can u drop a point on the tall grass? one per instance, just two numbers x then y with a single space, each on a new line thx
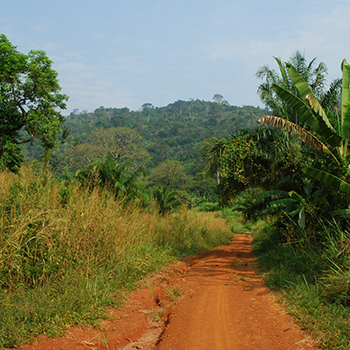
67 252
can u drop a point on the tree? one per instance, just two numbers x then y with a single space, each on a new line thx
171 173
220 100
259 158
12 158
166 199
313 76
312 114
212 150
147 106
30 98
118 143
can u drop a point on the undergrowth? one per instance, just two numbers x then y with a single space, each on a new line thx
67 252
311 277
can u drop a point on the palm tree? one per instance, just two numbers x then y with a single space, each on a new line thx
313 76
123 180
166 199
212 150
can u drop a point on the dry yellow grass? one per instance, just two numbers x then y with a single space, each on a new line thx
49 229
66 251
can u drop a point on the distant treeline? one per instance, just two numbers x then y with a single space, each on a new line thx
173 132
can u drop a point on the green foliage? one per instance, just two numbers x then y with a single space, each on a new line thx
30 99
311 113
122 180
312 277
171 174
166 199
119 143
313 76
174 132
314 116
151 137
329 179
310 109
261 157
304 251
302 208
329 140
208 206
212 151
12 158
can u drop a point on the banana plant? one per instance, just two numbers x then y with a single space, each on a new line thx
332 181
327 178
312 114
293 203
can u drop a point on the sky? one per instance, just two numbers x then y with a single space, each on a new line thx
115 53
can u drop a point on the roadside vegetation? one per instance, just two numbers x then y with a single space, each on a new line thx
312 280
67 252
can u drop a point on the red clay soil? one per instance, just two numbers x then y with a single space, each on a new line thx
211 301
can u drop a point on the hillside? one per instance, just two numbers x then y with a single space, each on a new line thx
173 132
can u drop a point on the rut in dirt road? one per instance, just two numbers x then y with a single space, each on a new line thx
228 307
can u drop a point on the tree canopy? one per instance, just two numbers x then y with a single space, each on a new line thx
30 99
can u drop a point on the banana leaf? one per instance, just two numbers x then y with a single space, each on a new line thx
282 70
301 220
307 94
305 113
295 129
327 178
292 207
345 100
327 132
284 202
296 196
294 212
272 193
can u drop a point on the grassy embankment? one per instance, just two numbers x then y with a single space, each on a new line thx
67 253
312 279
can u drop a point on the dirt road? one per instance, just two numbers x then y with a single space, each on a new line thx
213 301
230 308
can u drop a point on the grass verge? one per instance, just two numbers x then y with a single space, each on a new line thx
67 253
311 280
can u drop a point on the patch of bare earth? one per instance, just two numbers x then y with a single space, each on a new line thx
211 301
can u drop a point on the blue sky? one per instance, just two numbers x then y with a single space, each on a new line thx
116 53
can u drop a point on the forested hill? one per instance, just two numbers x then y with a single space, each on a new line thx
173 132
